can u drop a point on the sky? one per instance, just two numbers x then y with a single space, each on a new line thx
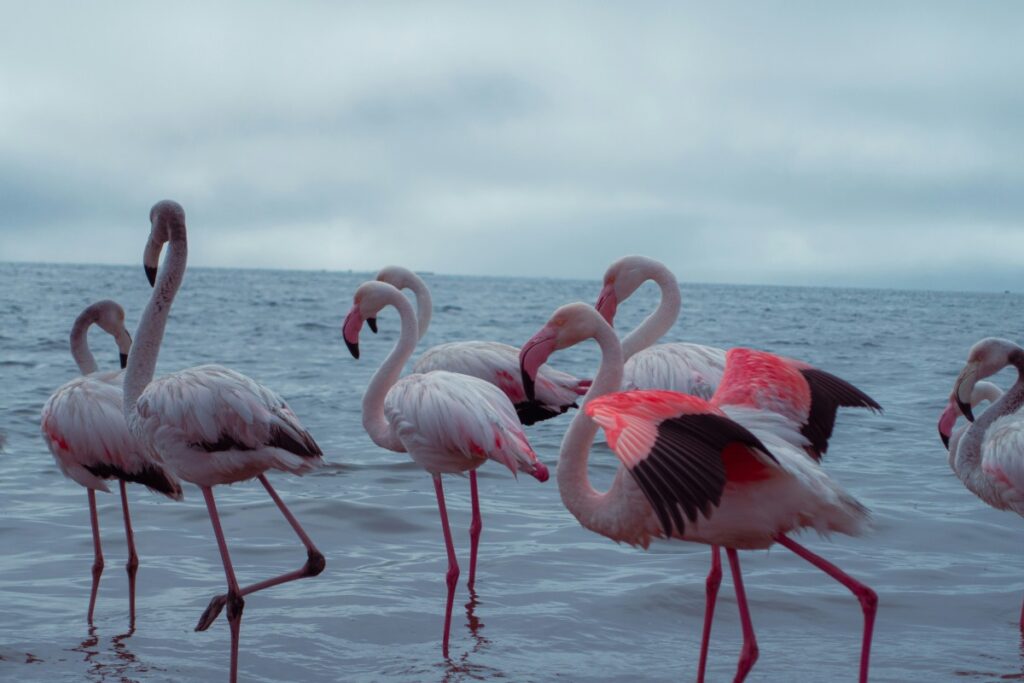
801 143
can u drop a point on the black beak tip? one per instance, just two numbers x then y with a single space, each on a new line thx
151 275
124 360
945 439
372 324
353 348
528 386
966 410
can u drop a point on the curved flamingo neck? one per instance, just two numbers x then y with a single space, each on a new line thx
150 333
581 499
374 420
424 302
655 325
80 341
968 450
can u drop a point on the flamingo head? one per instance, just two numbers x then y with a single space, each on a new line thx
396 276
620 281
986 358
367 302
110 318
982 391
569 325
167 222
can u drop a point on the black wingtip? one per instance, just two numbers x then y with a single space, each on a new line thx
353 348
124 360
372 324
151 275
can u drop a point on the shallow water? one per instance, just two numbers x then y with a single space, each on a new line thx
554 602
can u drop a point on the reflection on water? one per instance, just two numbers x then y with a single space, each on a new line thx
111 661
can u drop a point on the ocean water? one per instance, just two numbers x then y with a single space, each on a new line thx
554 602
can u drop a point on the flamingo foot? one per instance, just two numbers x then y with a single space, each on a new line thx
212 611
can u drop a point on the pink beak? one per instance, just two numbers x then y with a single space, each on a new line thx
607 304
532 356
350 330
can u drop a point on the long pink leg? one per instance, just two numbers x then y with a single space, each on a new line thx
474 528
133 557
748 655
97 563
453 566
714 580
315 563
867 597
235 602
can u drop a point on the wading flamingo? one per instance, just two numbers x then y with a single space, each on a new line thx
445 421
211 425
729 465
989 455
83 426
677 366
697 370
494 362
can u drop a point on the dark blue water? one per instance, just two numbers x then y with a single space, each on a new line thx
554 602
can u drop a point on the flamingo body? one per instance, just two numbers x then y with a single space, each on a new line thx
676 366
217 426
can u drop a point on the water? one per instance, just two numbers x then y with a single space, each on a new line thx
555 602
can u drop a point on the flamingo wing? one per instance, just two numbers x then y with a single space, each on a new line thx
687 368
83 426
450 415
497 363
807 396
1002 460
213 409
680 450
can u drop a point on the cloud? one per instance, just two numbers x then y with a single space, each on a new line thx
781 143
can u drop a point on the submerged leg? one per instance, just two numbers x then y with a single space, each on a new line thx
453 566
133 558
748 655
235 602
97 562
474 528
714 580
315 563
867 597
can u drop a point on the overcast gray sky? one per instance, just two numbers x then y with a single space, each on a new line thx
771 142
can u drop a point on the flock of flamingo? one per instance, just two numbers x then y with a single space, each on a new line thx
715 447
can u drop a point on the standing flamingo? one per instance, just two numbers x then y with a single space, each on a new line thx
678 366
445 421
494 362
84 428
729 465
989 456
210 424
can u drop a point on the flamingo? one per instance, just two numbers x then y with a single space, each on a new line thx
447 422
988 456
494 362
84 428
729 465
210 424
678 366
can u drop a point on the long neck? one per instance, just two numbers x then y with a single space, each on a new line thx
387 374
968 451
80 343
661 320
579 496
150 333
424 304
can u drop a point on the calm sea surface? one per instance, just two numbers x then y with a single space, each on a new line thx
554 602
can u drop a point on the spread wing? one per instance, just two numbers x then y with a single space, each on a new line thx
680 450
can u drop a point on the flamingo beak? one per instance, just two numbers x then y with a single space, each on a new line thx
533 355
151 275
124 344
540 472
372 324
947 420
151 259
963 387
350 331
607 304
